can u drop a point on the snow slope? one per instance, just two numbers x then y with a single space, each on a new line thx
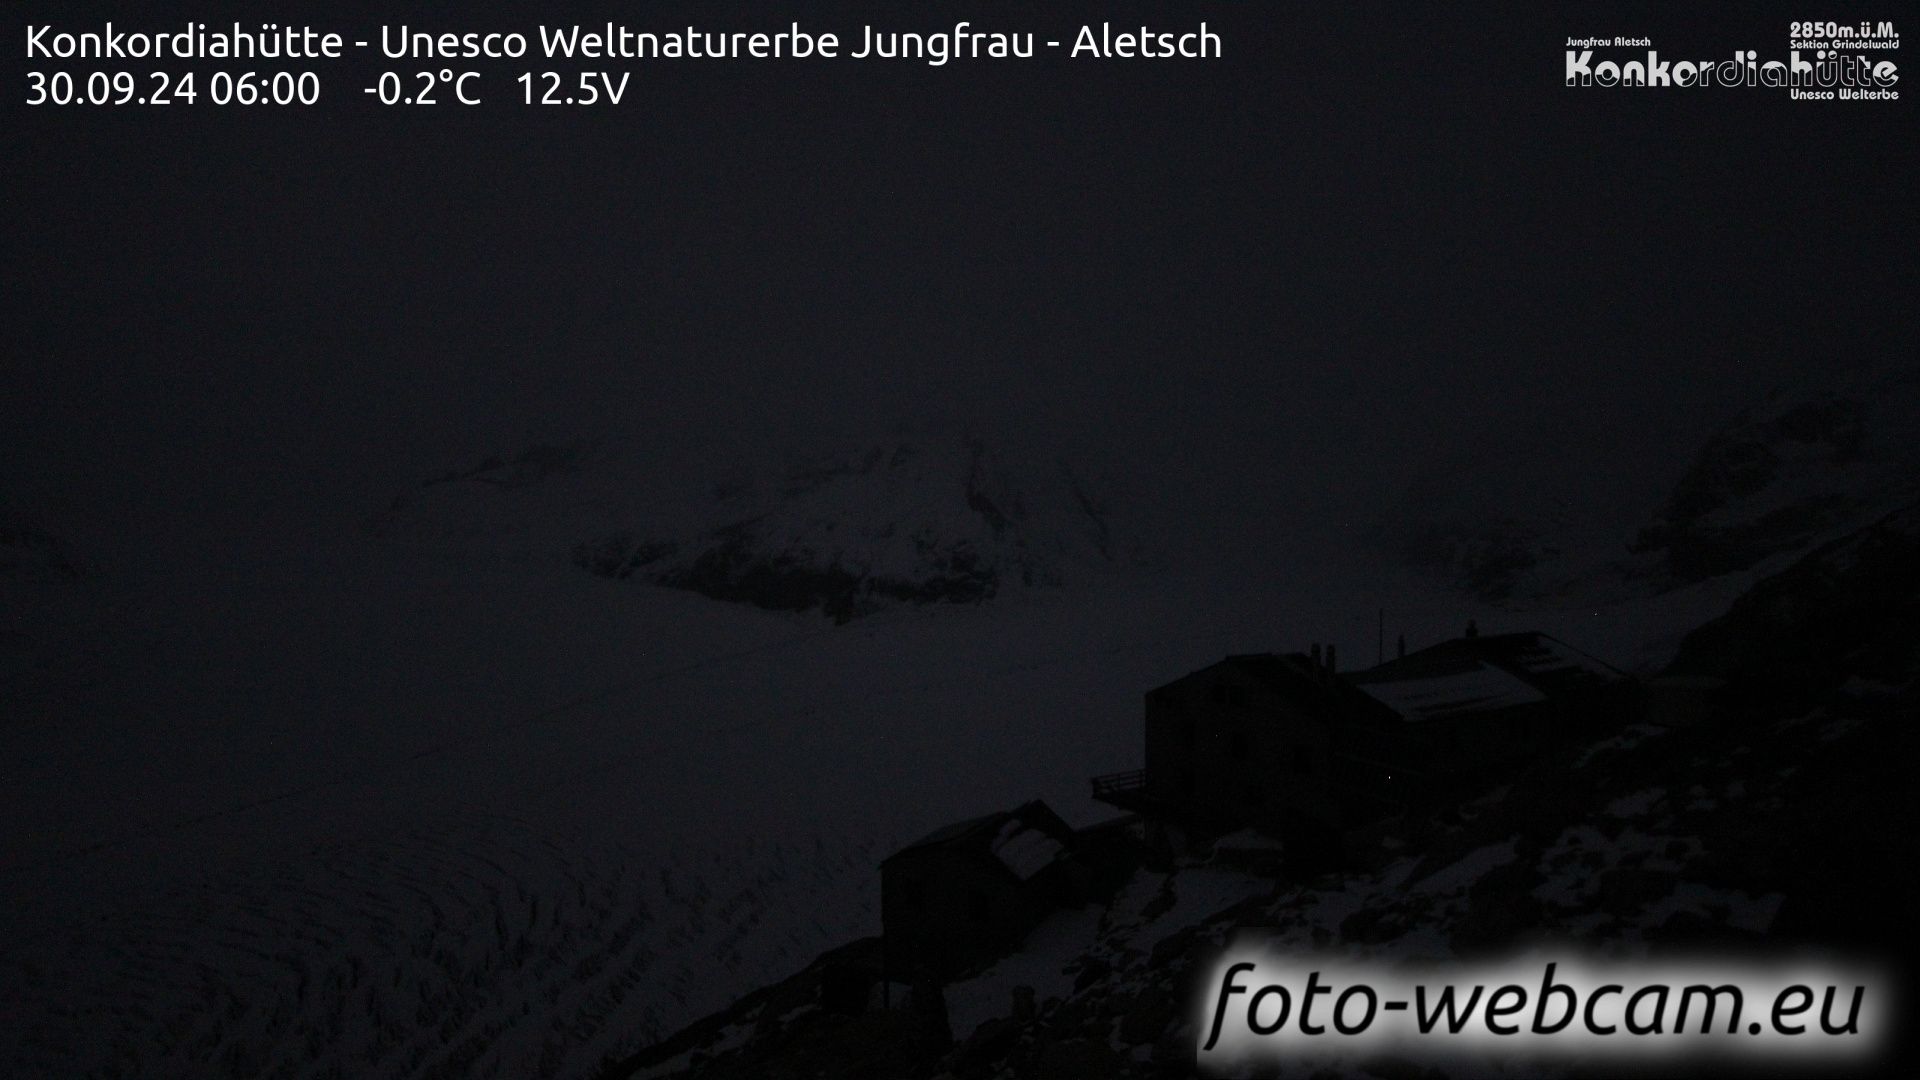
297 800
847 532
1739 836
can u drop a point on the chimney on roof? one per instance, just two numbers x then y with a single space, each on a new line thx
1331 666
1403 647
1473 629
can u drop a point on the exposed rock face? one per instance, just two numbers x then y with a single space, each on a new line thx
1757 831
1774 482
1511 516
899 523
1745 836
895 524
1845 620
1494 561
531 466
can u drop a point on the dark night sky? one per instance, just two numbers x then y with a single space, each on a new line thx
1259 297
1363 234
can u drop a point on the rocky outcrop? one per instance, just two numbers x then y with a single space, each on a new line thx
1761 827
901 523
1774 481
896 524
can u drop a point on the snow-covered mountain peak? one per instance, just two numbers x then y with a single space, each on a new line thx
1806 464
1784 475
914 521
899 522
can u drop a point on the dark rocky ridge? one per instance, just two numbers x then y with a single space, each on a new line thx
902 523
1774 482
835 539
1704 531
1765 825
